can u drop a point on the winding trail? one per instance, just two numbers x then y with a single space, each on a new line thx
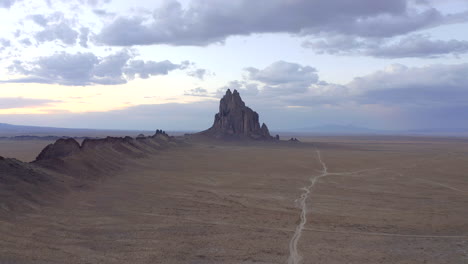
294 256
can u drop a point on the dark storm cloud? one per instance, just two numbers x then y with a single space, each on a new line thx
208 21
88 69
415 45
20 102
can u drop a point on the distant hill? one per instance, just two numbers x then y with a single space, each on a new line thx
440 131
8 130
355 130
341 129
16 129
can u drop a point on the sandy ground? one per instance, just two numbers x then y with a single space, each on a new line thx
382 201
24 150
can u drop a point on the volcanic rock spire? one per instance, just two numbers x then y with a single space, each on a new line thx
236 120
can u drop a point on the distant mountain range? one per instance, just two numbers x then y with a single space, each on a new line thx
8 130
355 130
339 129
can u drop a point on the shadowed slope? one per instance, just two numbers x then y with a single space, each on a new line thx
25 186
65 164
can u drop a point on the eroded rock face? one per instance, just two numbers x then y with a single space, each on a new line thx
61 148
235 119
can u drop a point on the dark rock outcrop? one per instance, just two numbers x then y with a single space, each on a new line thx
61 148
293 140
236 120
160 132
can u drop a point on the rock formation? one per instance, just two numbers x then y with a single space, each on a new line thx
236 120
61 148
160 132
66 164
65 147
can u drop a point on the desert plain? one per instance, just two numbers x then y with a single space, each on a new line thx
363 199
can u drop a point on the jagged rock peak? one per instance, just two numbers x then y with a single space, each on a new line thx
61 148
235 119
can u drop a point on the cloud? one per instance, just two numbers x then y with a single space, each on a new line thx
25 42
94 2
397 97
282 72
397 85
4 43
55 27
61 31
408 94
198 73
416 45
84 33
420 46
7 3
103 13
39 19
209 21
88 69
146 69
174 116
197 92
20 102
431 86
281 77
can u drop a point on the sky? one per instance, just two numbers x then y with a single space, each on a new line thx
142 65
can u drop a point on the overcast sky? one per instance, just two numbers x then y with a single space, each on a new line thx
395 65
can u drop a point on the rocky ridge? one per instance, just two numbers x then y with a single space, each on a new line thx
67 164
